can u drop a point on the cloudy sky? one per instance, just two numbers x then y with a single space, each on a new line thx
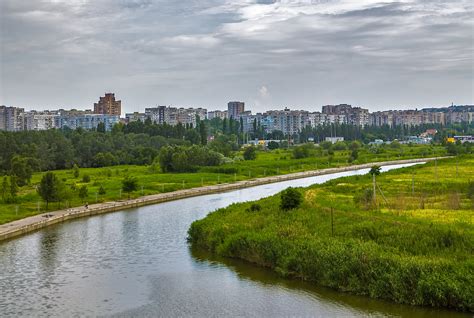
269 53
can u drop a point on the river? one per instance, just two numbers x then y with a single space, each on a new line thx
137 263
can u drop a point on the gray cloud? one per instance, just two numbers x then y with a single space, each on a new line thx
66 53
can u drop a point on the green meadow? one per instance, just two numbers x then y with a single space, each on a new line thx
413 244
152 181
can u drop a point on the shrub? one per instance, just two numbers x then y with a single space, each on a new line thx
250 153
290 199
86 178
83 193
255 207
273 145
101 190
303 151
76 171
364 198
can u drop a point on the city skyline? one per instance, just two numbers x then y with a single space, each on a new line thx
295 53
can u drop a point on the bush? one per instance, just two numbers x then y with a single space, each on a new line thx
86 178
290 199
250 153
255 207
273 145
364 198
187 159
303 151
101 190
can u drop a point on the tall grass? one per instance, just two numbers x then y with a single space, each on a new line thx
400 252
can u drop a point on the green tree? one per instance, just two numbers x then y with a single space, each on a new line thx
354 155
13 188
129 184
20 167
375 170
291 198
49 188
101 190
83 193
273 145
86 178
250 153
203 132
4 189
101 127
75 169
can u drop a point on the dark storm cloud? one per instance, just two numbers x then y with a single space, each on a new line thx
268 53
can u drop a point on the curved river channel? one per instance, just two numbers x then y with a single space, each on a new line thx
137 263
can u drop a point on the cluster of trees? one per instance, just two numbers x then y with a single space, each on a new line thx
459 149
309 149
9 189
59 149
53 189
187 159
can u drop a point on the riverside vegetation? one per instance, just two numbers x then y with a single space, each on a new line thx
180 167
413 244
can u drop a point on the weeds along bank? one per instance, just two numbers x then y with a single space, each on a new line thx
413 244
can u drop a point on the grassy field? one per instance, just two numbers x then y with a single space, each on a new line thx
267 163
414 246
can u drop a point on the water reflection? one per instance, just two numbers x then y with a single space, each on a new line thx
137 263
266 277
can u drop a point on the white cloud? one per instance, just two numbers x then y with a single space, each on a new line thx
310 52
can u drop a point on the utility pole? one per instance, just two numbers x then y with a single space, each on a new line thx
375 192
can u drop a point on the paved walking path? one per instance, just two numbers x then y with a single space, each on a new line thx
39 221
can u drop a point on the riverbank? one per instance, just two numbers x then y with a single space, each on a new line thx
33 223
413 247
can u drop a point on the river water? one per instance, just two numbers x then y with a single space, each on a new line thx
137 263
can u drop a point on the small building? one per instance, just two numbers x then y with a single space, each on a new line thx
464 139
334 139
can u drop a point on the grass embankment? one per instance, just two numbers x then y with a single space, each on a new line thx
414 248
267 163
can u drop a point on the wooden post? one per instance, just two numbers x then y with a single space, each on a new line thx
436 169
413 184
